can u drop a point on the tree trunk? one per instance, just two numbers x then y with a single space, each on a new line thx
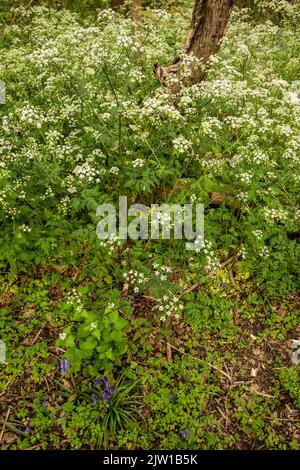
203 39
136 7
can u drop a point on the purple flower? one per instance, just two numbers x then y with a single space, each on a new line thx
105 382
28 427
94 397
101 381
64 365
108 390
171 396
96 383
46 403
185 433
224 284
107 393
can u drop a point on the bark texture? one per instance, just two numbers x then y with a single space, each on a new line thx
136 8
203 39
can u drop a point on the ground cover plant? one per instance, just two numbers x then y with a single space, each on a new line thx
142 344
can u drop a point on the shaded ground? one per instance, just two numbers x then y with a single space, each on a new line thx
257 395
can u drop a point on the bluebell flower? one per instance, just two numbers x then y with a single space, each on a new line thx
185 433
107 393
104 381
94 397
64 365
28 427
97 382
171 396
224 284
108 389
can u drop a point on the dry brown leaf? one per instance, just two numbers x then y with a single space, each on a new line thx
8 439
169 353
29 312
66 383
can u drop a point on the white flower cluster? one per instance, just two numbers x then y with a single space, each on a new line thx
285 130
275 215
297 215
161 271
260 157
162 218
198 243
169 306
291 155
111 243
124 39
114 170
264 252
181 144
97 153
243 52
158 108
106 15
212 262
242 252
217 88
237 160
86 172
215 165
242 196
292 98
270 175
45 54
240 122
189 63
210 126
64 205
24 228
136 75
70 183
32 116
134 280
74 299
258 234
246 177
163 14
138 163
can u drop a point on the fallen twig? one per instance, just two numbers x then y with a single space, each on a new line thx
198 359
4 424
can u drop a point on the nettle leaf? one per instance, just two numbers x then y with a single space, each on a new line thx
69 341
83 331
117 321
88 344
97 334
109 354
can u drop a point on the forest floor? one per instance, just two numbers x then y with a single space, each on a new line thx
143 344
